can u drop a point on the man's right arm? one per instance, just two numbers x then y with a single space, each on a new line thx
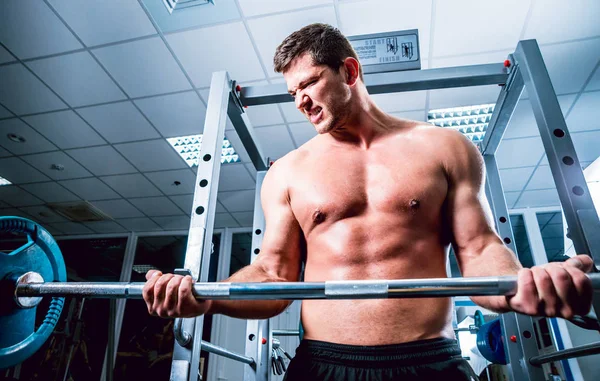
170 295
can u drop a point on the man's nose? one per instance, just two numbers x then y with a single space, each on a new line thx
301 101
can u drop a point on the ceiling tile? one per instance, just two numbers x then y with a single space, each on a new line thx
156 206
184 201
235 177
264 115
535 198
165 181
18 197
31 29
561 21
118 208
138 224
14 212
511 197
173 222
77 78
44 161
105 227
395 102
34 142
558 62
252 8
586 113
302 132
523 124
119 122
71 227
50 192
42 214
275 141
219 12
587 145
418 115
519 153
163 156
5 56
453 22
104 22
244 218
134 185
65 129
4 153
515 179
225 220
239 201
144 67
463 96
4 205
175 115
90 189
270 31
23 93
472 59
291 113
378 16
17 171
594 83
541 179
4 113
202 52
101 161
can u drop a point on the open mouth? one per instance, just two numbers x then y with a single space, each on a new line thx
315 114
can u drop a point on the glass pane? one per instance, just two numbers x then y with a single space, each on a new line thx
551 227
77 346
521 240
146 343
241 246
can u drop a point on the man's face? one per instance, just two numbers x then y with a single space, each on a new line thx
319 92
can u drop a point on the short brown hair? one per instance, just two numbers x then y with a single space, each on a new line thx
326 45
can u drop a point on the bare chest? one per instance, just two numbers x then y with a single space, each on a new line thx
331 188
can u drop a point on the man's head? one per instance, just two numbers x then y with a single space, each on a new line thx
320 67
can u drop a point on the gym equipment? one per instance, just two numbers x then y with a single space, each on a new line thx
489 342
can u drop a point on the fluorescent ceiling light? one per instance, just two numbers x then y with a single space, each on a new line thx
143 269
471 121
188 147
3 181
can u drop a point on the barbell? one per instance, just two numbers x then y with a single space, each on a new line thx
24 271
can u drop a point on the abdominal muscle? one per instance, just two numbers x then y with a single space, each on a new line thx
353 250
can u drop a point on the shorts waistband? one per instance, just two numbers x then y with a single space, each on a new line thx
404 354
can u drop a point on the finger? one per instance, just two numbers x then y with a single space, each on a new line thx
186 296
583 289
549 303
148 290
159 293
171 295
565 290
152 273
526 299
582 262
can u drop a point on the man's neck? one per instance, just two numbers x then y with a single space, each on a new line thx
365 124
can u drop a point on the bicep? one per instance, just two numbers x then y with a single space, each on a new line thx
282 245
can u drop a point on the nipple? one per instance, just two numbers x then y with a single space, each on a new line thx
318 216
414 204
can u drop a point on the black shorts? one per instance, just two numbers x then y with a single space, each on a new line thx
434 359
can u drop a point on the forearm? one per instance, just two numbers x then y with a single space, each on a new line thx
495 259
250 309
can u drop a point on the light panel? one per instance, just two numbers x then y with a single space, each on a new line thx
471 121
188 147
3 181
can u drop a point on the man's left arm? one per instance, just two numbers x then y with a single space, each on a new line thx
557 289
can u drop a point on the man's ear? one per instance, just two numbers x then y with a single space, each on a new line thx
352 70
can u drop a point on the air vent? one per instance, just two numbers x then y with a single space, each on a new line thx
80 211
177 5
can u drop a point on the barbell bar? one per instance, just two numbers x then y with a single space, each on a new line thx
29 286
